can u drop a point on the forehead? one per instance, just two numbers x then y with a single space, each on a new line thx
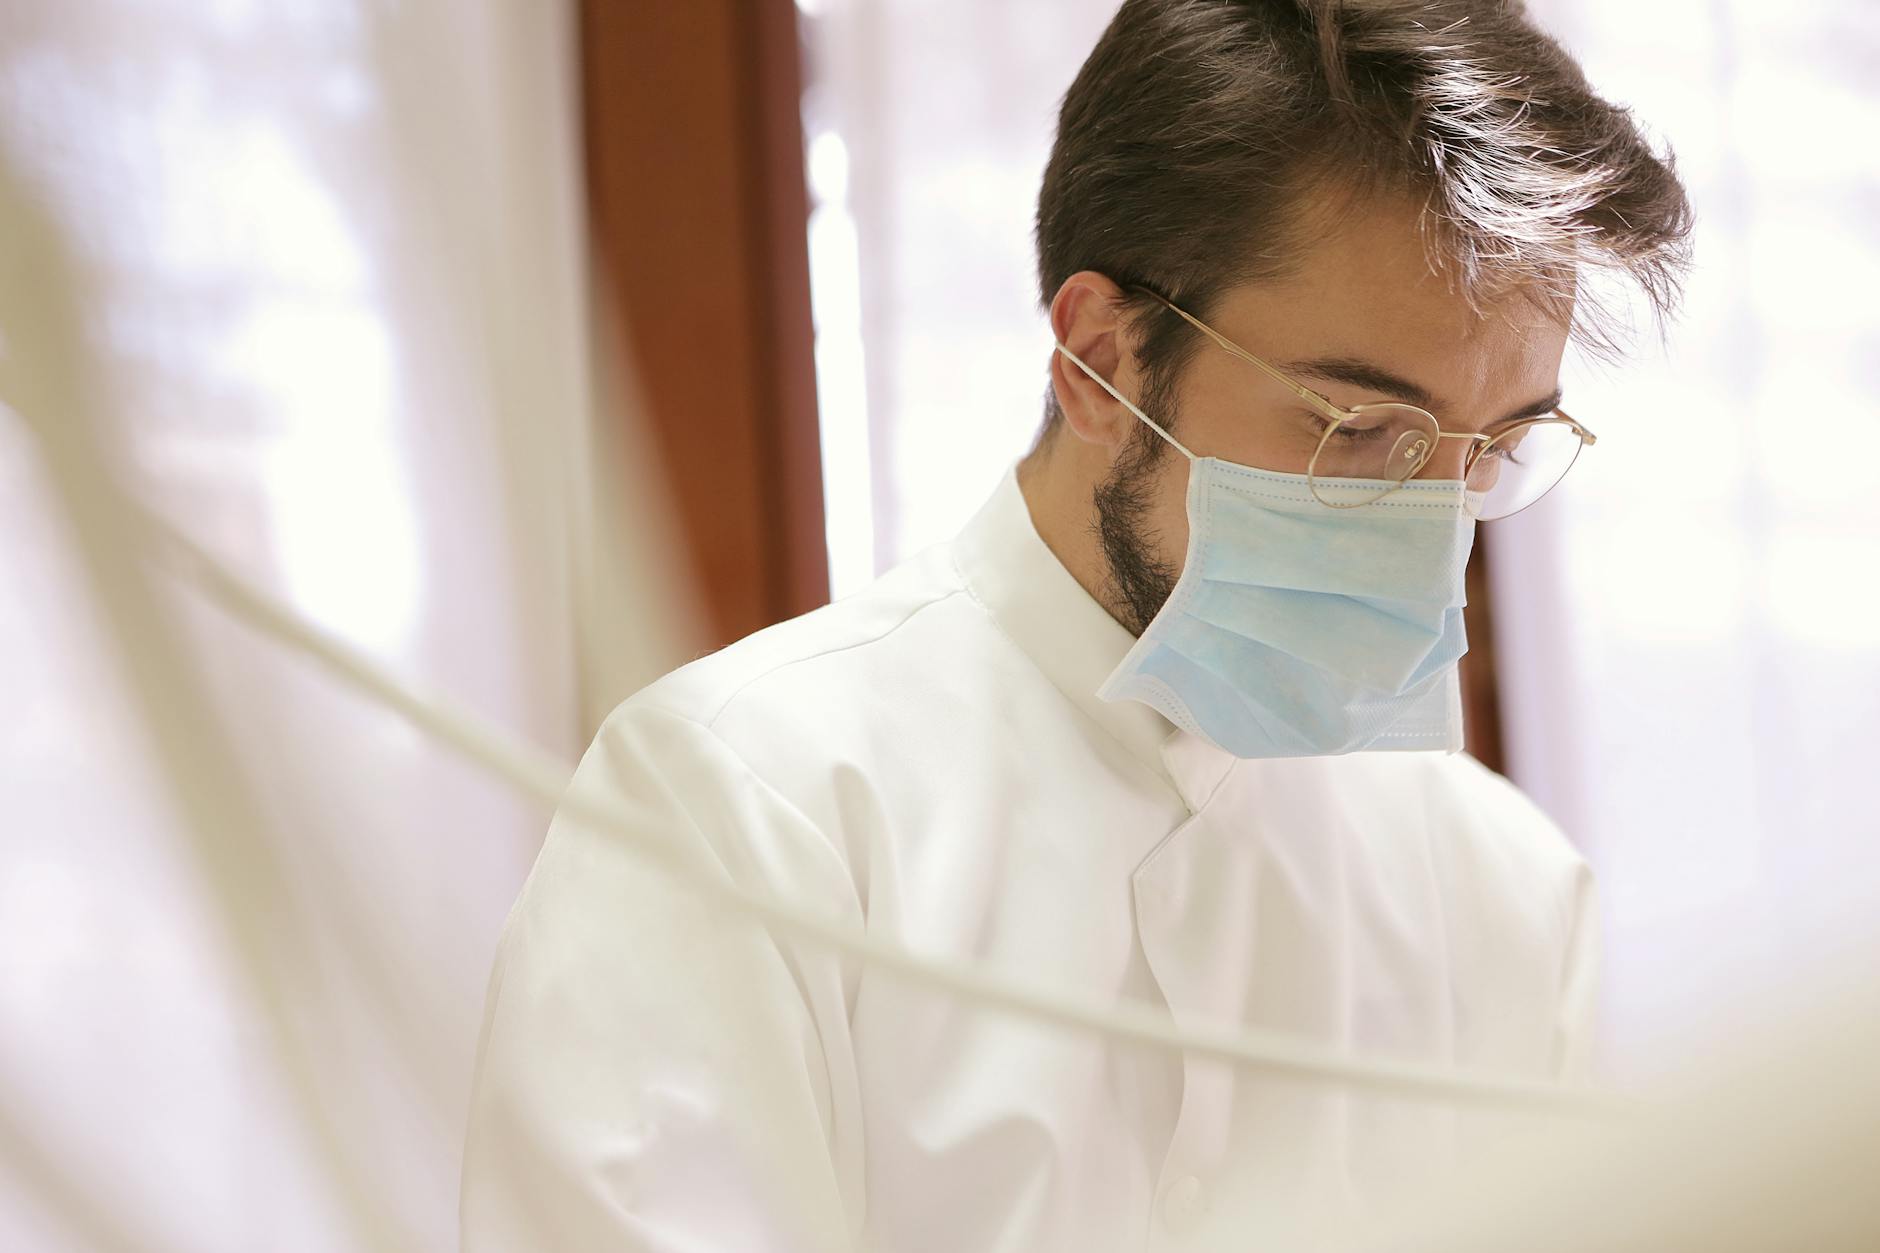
1361 285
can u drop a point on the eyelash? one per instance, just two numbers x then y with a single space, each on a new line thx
1347 433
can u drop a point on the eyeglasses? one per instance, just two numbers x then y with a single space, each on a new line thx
1368 451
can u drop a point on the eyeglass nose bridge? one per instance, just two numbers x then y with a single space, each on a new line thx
1414 450
1477 442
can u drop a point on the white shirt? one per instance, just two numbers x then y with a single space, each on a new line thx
927 759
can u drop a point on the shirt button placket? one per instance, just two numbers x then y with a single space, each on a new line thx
1182 1205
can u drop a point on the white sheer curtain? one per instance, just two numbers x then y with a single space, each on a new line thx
326 265
1691 631
1693 627
928 127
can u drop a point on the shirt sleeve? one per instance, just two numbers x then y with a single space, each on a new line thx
1577 1022
654 1072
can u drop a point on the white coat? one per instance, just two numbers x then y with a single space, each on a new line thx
927 759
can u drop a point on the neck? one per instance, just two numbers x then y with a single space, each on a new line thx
1058 494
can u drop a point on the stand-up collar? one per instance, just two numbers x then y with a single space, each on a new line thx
1071 638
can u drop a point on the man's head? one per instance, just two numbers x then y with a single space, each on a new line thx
1418 187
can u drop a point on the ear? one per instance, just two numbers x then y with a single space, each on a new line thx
1086 317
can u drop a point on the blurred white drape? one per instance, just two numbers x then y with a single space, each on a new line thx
327 257
1691 630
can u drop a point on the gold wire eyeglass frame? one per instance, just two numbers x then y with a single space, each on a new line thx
1338 416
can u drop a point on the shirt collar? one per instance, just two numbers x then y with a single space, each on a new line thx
1072 639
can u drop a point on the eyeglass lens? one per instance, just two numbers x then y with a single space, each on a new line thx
1386 445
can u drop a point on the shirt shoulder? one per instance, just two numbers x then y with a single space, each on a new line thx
706 688
1493 848
849 715
1460 784
1492 837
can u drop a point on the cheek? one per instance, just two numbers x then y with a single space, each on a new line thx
1234 416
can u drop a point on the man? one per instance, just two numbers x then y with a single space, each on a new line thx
1172 720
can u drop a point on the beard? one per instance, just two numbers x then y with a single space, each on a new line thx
1138 582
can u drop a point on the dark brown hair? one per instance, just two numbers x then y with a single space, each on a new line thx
1200 137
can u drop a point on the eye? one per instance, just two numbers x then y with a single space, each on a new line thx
1352 432
1506 452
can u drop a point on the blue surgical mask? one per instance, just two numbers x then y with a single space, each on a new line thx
1298 629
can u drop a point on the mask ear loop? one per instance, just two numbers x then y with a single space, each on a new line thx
1124 401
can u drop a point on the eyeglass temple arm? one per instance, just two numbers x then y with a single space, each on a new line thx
1304 393
1311 397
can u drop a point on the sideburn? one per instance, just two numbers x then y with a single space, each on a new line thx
1138 583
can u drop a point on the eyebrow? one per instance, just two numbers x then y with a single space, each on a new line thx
1376 378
